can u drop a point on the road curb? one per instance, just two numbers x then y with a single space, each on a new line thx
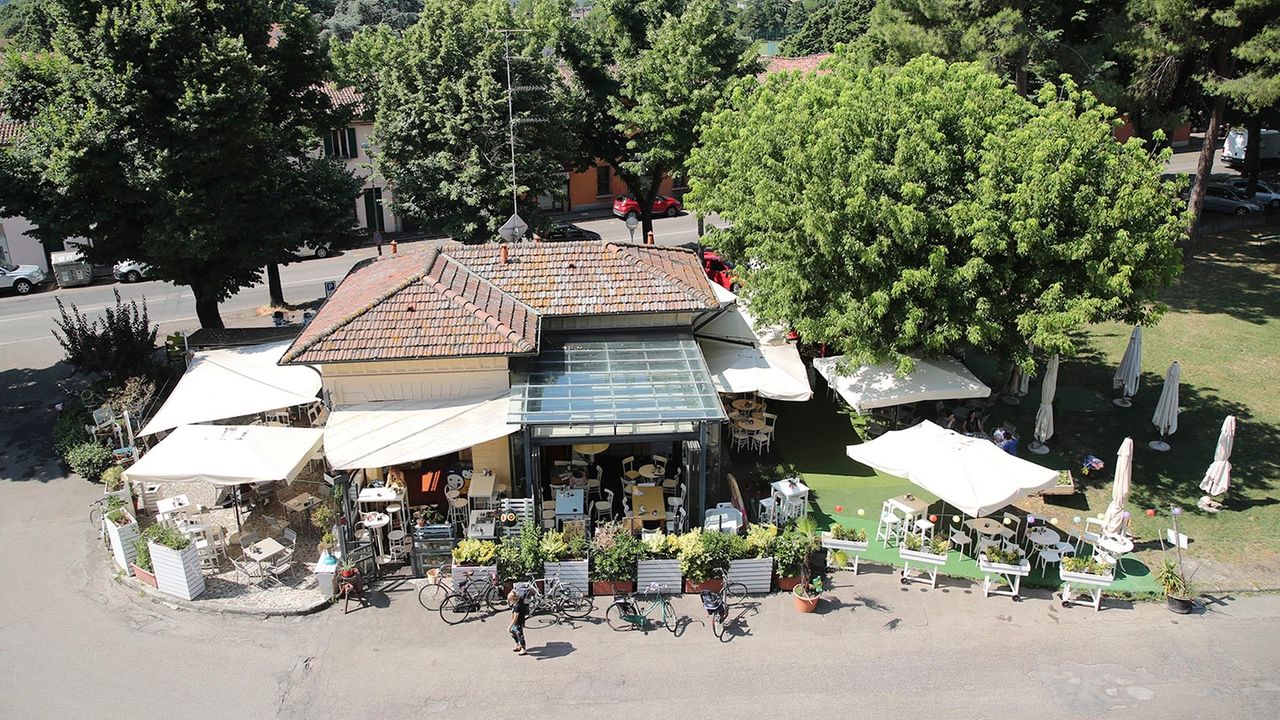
128 582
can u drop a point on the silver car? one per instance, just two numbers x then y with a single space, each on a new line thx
1266 195
1225 199
21 278
130 271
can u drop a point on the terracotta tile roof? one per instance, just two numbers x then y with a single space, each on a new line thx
807 63
347 97
415 305
456 301
8 129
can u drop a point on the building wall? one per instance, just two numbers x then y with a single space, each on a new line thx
365 166
584 191
349 383
17 246
1180 137
496 456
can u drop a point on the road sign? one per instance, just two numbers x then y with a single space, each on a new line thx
330 286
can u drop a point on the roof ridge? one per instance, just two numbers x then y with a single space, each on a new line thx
333 327
515 336
626 250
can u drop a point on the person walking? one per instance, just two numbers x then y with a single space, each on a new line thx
519 612
377 240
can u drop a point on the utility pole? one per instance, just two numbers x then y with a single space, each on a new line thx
516 227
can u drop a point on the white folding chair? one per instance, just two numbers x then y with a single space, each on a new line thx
604 508
676 523
678 500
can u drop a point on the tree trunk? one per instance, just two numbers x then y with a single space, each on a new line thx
207 313
1253 156
273 285
1205 164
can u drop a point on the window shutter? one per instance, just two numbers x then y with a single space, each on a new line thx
328 146
352 147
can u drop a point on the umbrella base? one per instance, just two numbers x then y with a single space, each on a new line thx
1159 445
1123 402
1038 448
1010 399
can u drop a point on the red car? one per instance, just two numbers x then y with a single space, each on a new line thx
627 206
720 272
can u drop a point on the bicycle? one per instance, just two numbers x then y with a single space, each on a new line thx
624 614
439 586
458 605
717 604
97 515
558 597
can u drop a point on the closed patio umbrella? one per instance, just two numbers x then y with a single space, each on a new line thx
1166 415
1217 479
1044 416
1113 521
1126 379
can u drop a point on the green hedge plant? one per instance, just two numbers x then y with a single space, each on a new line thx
89 460
614 554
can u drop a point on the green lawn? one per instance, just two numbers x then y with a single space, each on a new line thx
1222 329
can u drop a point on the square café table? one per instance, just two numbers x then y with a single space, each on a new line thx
569 504
645 500
263 550
167 506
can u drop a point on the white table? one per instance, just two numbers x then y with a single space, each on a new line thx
790 489
1115 544
725 520
569 504
1044 537
167 506
482 525
481 485
379 494
375 521
262 551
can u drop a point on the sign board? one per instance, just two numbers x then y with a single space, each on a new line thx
330 286
1181 540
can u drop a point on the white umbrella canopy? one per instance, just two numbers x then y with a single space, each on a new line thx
1126 379
1166 414
1044 416
1217 479
1113 521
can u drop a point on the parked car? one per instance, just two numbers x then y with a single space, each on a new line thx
566 231
1225 199
130 271
322 250
1265 195
719 270
627 206
20 278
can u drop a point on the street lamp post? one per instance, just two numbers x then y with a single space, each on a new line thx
632 224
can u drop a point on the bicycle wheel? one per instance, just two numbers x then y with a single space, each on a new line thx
734 593
575 604
717 623
496 599
669 616
613 616
95 519
455 608
431 596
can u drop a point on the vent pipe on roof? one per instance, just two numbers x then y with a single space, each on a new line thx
504 254
648 240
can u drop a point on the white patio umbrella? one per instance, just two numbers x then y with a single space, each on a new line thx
1166 415
1217 479
1126 379
1044 416
1113 521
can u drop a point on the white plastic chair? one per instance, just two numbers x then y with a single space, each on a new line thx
678 500
890 525
604 508
676 523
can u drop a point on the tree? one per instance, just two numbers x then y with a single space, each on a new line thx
838 23
762 19
119 344
178 134
898 214
441 127
349 16
649 72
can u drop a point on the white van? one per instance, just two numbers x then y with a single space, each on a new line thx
1237 140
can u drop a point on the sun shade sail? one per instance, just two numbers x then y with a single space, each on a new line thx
971 474
877 386
228 454
743 357
235 382
380 434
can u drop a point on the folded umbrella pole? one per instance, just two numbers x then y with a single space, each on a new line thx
1126 378
1044 416
1166 414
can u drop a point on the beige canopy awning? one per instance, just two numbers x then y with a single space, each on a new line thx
380 434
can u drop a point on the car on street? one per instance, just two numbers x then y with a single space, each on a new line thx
719 270
627 206
323 250
566 231
1225 199
1265 195
130 271
22 279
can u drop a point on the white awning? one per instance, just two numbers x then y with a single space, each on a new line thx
379 434
878 386
235 382
971 474
228 454
744 357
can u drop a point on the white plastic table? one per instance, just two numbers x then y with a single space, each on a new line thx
1044 536
569 504
375 521
725 520
167 506
379 494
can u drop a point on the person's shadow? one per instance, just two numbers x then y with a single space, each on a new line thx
552 649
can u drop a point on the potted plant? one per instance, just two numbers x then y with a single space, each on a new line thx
175 561
1178 591
1084 571
752 560
142 563
933 554
113 485
565 554
789 553
349 574
123 530
614 555
660 563
323 517
704 556
846 540
1009 564
479 556
1066 485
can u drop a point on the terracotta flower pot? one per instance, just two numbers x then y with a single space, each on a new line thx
612 587
805 604
786 584
144 576
697 586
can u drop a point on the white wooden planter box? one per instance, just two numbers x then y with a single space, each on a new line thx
924 558
1093 586
124 494
572 573
755 573
177 571
848 547
122 547
481 571
662 572
1012 574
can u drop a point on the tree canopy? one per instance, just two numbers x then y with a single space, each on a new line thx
441 128
177 134
910 213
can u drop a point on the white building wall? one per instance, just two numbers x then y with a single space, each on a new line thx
18 246
365 167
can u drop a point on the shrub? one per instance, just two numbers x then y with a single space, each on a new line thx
1002 556
133 396
144 554
89 460
840 532
703 555
660 546
119 517
615 552
475 552
761 537
113 478
166 535
554 546
68 431
116 344
789 552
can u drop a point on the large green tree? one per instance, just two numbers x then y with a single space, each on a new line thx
441 126
649 72
838 22
898 214
178 134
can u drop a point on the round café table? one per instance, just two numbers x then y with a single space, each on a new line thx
1044 537
591 450
753 425
986 526
375 521
746 405
649 471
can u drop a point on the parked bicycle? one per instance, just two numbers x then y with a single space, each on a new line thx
625 614
471 594
717 604
97 510
556 596
439 585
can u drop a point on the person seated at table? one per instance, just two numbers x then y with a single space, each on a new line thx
1008 443
951 422
973 424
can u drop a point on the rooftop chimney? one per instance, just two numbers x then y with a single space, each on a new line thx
504 254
